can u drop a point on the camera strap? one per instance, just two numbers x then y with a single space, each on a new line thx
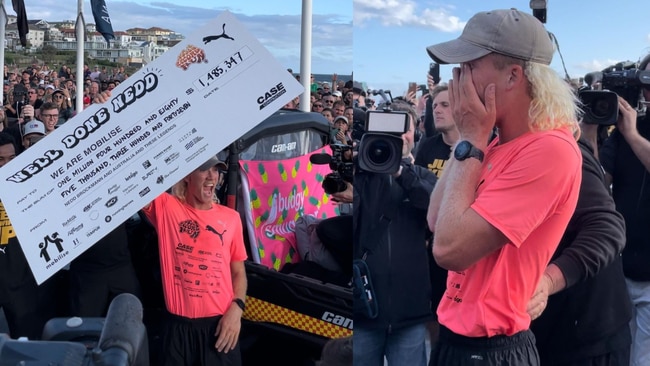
382 226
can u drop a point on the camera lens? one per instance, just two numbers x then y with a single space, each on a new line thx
601 108
333 183
379 152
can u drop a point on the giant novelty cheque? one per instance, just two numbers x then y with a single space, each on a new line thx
80 182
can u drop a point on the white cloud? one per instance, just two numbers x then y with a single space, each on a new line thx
404 13
331 38
595 65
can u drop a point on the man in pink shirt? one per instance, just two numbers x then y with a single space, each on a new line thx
202 257
499 210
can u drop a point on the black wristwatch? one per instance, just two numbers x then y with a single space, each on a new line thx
240 303
465 149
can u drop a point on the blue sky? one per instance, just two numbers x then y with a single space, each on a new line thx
384 41
275 23
390 36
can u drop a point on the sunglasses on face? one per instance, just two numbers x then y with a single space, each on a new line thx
318 105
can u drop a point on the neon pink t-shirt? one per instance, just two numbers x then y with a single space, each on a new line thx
196 249
528 190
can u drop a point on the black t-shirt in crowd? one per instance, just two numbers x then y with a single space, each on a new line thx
14 269
433 154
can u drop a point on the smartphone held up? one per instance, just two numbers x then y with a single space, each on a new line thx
434 71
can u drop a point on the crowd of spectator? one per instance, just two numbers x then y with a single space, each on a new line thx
37 84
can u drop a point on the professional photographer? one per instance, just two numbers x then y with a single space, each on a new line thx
389 238
335 233
625 156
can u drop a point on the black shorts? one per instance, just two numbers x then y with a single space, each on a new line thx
457 350
191 342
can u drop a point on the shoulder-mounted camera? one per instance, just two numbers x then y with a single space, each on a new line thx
623 79
380 149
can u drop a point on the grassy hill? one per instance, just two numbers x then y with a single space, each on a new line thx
54 59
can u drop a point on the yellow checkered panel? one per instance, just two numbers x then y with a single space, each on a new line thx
330 326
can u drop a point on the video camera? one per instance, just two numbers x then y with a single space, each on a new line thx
623 79
380 149
342 170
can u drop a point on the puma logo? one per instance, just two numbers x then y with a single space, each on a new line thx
2 249
211 229
223 34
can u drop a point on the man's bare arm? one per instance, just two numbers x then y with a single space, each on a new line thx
436 200
462 236
239 282
229 326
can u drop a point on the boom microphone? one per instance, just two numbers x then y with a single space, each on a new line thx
383 93
124 337
320 159
380 92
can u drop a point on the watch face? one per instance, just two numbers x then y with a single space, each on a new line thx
462 150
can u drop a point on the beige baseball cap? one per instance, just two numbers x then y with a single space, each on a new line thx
508 32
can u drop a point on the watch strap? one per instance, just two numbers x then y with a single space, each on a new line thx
470 152
240 303
477 153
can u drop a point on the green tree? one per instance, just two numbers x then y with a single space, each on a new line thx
48 52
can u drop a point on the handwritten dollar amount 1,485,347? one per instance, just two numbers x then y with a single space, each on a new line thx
223 67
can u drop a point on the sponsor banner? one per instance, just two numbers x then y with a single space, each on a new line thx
280 192
99 168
